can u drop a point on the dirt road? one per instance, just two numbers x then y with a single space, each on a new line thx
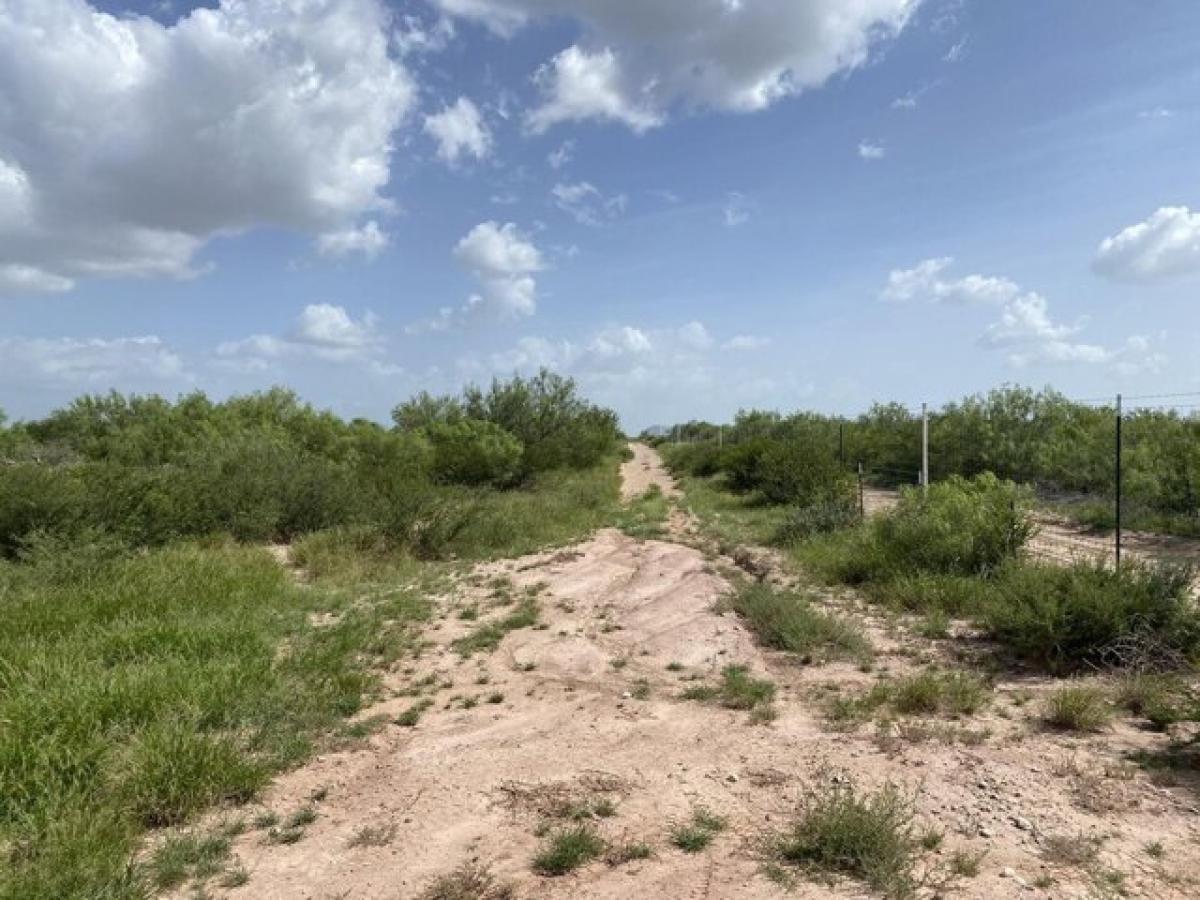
586 708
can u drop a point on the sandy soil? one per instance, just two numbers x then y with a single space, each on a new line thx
468 784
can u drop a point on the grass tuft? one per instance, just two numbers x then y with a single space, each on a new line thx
787 620
696 834
869 837
567 850
1077 708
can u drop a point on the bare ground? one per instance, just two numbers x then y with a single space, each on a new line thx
559 719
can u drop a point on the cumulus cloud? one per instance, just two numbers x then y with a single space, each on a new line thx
925 281
369 240
1025 328
125 144
322 331
638 60
586 204
578 85
504 261
1165 246
459 130
89 363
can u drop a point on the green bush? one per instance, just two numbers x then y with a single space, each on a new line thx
802 473
958 527
821 517
741 463
1068 617
474 452
35 497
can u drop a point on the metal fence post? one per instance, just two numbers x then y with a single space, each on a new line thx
862 503
925 447
1120 418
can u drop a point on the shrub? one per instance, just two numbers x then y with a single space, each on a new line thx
867 837
822 517
959 527
35 497
741 463
474 452
802 473
1066 617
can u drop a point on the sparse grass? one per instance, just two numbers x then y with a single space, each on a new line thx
675 667
787 620
568 849
698 832
966 863
189 855
1080 707
1155 850
469 882
731 519
487 637
930 692
868 837
737 690
1070 850
293 827
627 852
411 716
645 517
1161 699
373 835
641 689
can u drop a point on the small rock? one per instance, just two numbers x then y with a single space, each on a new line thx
1022 823
986 832
1007 872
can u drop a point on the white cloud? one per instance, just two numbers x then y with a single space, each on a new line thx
695 336
578 85
871 151
504 261
637 59
737 210
88 363
18 279
925 282
322 331
907 101
1025 327
1163 247
587 204
1158 112
561 156
459 130
746 342
957 52
369 240
134 143
413 36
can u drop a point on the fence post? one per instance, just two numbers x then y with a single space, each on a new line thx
862 503
925 447
1120 418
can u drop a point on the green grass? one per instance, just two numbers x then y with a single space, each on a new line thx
698 832
487 637
787 620
468 882
733 520
189 855
645 517
869 837
138 690
737 690
1077 708
567 850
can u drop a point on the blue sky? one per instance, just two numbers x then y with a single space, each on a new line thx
775 203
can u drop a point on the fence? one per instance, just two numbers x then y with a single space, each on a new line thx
1113 475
